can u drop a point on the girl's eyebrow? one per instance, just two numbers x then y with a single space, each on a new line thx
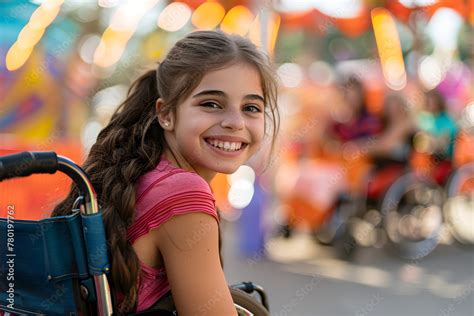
223 95
255 97
210 92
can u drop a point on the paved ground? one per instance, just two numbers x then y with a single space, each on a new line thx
303 278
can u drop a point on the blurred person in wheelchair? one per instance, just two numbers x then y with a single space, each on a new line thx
434 143
321 169
389 152
438 124
385 154
349 138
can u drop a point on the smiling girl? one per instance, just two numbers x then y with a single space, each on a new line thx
204 110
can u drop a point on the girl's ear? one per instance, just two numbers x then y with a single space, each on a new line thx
165 117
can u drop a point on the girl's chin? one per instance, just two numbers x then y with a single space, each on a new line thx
225 168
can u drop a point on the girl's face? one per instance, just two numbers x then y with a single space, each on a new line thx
221 124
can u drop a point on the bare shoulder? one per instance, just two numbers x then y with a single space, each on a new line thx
188 232
189 244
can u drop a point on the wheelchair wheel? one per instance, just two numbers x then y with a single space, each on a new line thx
345 245
459 207
412 216
334 228
249 303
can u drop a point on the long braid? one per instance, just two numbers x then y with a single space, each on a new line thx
127 148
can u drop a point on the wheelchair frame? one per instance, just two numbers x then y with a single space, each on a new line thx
28 163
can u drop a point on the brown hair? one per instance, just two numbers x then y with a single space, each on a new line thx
133 141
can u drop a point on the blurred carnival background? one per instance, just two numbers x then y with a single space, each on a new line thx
366 206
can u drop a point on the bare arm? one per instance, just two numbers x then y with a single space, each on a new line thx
189 246
388 141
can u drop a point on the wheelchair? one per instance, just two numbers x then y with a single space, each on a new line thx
399 208
59 265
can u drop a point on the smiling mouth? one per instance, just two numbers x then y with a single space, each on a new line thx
226 146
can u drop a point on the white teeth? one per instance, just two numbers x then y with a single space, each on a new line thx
226 146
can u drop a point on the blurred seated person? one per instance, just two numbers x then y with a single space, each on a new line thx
434 144
439 127
393 144
389 151
358 125
361 124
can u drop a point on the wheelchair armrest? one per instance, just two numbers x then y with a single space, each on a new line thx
249 288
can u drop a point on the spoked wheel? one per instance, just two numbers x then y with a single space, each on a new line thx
459 207
413 216
337 230
334 227
345 245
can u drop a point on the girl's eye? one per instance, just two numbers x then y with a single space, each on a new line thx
210 104
252 108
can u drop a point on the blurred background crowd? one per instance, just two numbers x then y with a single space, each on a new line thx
376 142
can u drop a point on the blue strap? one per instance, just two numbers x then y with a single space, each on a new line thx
96 243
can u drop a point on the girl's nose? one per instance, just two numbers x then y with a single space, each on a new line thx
233 120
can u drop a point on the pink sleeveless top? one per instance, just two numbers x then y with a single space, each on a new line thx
162 193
